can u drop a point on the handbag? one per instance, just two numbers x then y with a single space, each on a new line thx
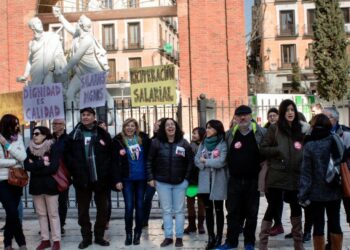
18 177
62 177
345 179
332 176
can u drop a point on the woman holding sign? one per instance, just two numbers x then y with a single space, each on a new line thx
130 149
168 169
212 179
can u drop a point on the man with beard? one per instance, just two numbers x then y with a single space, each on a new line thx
88 155
243 160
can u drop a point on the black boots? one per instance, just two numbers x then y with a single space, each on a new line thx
128 239
211 242
137 237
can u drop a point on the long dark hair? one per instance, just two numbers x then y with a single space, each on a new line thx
8 126
219 127
44 131
161 135
295 129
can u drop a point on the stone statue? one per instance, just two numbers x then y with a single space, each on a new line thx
46 58
88 56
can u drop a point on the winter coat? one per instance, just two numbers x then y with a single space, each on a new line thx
316 156
16 155
167 164
77 163
41 180
120 162
213 175
284 157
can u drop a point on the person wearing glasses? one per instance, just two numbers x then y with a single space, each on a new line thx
42 162
12 153
61 137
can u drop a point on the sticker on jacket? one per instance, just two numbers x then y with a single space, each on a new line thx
297 145
180 151
87 140
238 145
216 153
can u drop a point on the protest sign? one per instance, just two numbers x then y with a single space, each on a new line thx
153 85
12 103
43 102
93 90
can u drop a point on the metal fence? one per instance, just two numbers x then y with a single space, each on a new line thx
189 116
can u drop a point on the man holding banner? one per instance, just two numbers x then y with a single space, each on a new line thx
88 157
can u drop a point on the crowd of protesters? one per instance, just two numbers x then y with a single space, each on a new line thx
287 160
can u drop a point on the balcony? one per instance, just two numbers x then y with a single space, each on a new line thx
288 31
161 45
127 45
109 47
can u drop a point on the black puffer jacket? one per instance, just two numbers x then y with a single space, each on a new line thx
165 165
120 162
41 180
77 163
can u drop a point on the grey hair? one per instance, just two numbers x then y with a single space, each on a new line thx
333 111
31 22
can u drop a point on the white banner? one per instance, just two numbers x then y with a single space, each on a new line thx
43 102
93 90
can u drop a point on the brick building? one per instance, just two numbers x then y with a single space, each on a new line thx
211 45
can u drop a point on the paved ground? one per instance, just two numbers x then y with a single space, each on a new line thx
153 236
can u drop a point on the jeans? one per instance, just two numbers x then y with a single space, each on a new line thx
172 201
63 206
10 197
147 203
242 201
332 208
133 192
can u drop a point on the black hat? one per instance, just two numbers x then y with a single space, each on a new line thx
243 110
88 109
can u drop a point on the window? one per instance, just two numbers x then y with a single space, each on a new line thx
310 56
108 4
288 55
82 5
310 21
112 71
161 42
108 36
135 62
346 14
133 3
134 40
287 23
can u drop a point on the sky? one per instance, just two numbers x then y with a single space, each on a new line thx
248 15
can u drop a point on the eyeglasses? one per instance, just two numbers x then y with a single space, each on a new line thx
36 134
57 123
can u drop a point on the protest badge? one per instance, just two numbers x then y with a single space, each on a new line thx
93 90
154 85
43 102
12 103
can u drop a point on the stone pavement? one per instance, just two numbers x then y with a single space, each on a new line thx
153 236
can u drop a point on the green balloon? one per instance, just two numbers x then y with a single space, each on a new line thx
191 191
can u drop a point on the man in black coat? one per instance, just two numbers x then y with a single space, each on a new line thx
88 157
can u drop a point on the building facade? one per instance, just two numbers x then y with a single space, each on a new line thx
283 41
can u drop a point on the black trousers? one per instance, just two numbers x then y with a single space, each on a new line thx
84 196
242 202
332 209
276 197
63 206
279 209
209 213
9 198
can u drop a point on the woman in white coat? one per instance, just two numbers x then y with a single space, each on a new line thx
12 154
